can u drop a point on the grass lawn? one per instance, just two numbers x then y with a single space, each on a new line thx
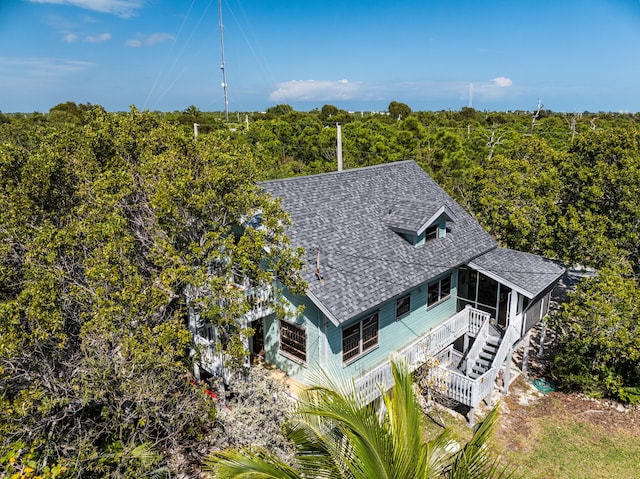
564 436
562 448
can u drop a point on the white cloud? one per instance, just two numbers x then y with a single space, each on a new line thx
148 40
315 90
156 38
70 38
502 82
122 8
34 67
102 37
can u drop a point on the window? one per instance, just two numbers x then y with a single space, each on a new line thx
403 307
293 341
359 337
432 232
438 291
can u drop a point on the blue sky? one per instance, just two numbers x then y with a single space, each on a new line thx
573 55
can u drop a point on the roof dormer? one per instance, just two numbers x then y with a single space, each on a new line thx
419 222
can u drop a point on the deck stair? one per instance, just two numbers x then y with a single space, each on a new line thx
479 357
483 361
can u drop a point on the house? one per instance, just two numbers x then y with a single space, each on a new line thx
397 269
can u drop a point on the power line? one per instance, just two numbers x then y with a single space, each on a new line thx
155 83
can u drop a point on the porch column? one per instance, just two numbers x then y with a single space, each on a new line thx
543 333
525 353
196 371
507 372
471 411
513 306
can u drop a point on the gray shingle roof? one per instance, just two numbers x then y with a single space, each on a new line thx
345 216
527 273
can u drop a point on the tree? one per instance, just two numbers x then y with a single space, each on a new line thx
335 437
446 161
398 111
515 195
106 234
599 336
279 110
601 198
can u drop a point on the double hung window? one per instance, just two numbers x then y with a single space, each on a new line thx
293 341
359 337
438 291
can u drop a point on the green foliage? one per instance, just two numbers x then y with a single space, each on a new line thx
279 110
108 231
398 111
112 223
601 198
18 462
599 336
516 195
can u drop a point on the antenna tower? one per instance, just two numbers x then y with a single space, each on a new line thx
224 74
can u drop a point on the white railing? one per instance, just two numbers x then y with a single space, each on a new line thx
210 359
476 319
379 379
471 391
374 382
449 357
205 339
261 300
468 320
476 349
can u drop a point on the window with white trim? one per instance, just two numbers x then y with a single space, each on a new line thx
403 306
359 337
293 341
438 291
432 232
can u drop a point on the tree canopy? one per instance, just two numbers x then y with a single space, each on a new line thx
108 229
112 222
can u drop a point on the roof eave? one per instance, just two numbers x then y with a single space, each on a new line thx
323 308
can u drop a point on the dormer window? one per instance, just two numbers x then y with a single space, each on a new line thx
432 233
419 222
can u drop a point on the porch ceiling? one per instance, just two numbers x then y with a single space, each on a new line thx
529 274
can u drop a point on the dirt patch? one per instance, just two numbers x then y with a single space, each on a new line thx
524 408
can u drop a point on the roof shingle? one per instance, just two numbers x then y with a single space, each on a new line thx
528 273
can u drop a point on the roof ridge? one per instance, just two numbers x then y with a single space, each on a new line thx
329 173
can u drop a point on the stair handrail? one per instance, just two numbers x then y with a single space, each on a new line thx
474 351
510 337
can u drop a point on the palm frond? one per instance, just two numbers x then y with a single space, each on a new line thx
475 460
249 464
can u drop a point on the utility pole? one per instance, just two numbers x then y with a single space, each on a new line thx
339 145
224 74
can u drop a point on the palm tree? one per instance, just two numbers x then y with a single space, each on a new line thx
335 437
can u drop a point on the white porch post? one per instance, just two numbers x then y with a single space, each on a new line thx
543 333
525 353
513 306
507 372
196 370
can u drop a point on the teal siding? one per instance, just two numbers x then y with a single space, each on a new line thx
393 334
326 355
311 321
442 232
